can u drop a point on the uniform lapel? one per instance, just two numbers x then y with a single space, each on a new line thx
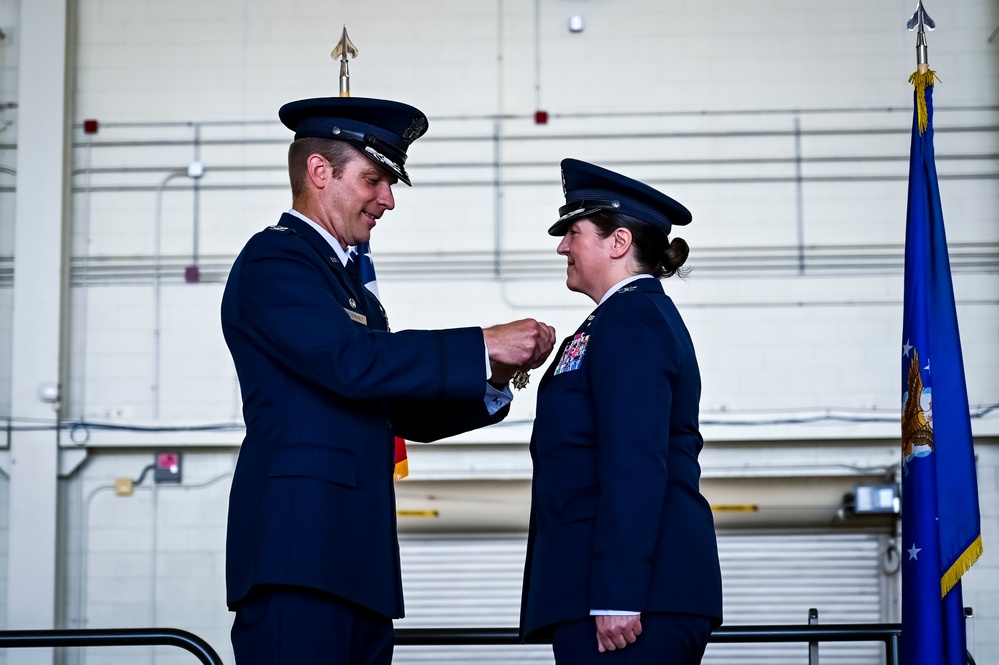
645 285
319 244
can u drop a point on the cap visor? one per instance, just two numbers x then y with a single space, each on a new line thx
386 164
561 227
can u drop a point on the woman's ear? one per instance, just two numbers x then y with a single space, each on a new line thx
620 242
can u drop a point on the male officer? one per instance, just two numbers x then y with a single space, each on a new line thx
312 567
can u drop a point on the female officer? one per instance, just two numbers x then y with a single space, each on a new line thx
622 561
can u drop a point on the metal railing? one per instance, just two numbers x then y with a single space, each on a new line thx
813 633
111 637
887 633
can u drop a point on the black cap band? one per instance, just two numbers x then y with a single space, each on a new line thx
363 140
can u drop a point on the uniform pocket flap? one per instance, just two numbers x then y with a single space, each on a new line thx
580 506
311 461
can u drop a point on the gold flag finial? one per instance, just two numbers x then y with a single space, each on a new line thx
344 48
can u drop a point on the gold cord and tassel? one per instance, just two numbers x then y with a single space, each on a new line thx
922 78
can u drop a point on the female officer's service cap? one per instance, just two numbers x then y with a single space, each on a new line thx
380 129
589 189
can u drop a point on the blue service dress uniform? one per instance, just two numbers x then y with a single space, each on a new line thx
617 518
325 389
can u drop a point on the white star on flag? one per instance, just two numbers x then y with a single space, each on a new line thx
906 348
914 551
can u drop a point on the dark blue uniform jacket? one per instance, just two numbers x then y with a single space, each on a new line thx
325 389
617 518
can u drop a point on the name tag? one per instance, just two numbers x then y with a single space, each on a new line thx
360 318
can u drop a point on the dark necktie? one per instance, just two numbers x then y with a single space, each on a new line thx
354 273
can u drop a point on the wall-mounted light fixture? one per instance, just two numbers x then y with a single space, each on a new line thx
872 500
576 23
48 392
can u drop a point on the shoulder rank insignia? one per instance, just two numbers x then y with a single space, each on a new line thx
277 227
572 357
625 289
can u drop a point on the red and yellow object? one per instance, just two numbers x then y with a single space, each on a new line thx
401 460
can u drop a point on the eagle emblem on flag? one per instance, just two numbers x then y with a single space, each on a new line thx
917 415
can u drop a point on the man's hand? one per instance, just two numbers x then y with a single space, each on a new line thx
502 373
525 344
616 631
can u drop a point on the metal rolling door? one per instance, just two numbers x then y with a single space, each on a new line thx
776 578
465 581
475 580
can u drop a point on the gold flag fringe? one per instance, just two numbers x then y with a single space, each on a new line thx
401 469
922 80
961 566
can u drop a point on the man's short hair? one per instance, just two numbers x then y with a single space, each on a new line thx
337 153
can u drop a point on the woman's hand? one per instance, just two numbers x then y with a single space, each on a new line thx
616 631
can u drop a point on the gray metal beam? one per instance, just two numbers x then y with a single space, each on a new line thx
39 275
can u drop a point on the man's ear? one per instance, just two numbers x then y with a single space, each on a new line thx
318 170
620 242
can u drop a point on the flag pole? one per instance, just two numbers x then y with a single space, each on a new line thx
362 253
923 76
344 48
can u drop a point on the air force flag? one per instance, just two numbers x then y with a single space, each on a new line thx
941 524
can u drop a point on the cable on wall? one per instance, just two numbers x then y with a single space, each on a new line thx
810 415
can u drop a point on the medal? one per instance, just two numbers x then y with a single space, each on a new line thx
520 379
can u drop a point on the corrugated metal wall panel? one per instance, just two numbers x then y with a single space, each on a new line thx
776 578
475 580
464 581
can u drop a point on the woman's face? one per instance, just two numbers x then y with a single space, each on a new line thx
588 259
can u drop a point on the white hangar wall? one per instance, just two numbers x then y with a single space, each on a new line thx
798 205
785 132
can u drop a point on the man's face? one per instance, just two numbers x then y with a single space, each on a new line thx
354 202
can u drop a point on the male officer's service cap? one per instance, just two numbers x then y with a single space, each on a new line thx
590 188
380 129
